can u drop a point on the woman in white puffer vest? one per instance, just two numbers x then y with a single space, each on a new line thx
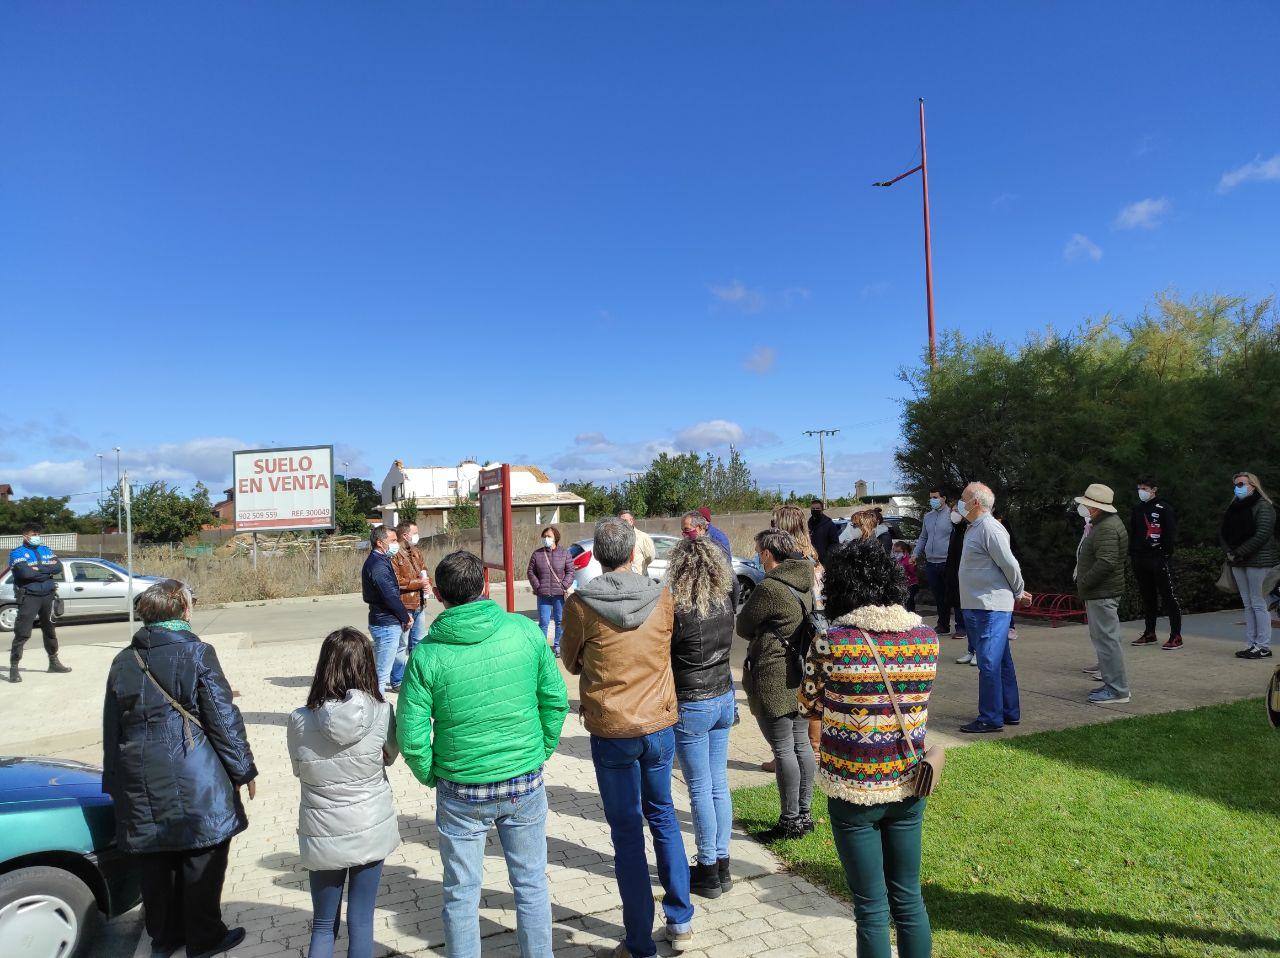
340 743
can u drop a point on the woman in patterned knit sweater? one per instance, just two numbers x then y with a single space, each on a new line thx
866 768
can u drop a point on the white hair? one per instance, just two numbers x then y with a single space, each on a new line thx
982 495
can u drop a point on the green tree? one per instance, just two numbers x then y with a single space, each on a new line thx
366 495
408 510
164 513
465 514
348 516
1185 394
49 512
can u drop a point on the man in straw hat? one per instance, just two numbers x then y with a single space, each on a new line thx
1100 583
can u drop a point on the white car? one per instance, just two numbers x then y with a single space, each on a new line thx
88 587
586 566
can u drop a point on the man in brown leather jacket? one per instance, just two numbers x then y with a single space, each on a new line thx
411 576
617 636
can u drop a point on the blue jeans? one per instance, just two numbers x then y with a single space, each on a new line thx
634 777
361 882
408 642
551 607
702 745
386 640
997 681
522 830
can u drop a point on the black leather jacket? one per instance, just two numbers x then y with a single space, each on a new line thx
700 652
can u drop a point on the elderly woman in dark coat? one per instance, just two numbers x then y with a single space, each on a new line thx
174 758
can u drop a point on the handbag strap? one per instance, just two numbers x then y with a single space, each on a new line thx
187 718
893 699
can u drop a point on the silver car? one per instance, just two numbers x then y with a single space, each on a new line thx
89 587
586 566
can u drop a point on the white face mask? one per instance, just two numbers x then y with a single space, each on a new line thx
549 542
1084 512
851 533
956 518
413 539
1145 495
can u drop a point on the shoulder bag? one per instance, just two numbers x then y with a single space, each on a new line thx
187 718
929 765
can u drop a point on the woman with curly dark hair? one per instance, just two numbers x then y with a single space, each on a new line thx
867 765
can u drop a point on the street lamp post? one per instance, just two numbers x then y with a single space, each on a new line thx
119 518
923 170
102 519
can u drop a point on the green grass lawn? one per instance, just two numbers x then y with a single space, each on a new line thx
1149 836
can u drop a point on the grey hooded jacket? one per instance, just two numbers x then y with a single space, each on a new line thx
339 752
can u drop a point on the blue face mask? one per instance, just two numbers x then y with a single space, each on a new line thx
393 548
35 540
1242 492
934 502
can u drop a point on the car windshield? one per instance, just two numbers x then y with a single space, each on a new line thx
111 565
576 550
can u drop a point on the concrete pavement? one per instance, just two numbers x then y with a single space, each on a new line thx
769 911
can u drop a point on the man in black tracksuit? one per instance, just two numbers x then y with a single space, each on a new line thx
1152 531
36 573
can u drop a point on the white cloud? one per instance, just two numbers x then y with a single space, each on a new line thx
1081 247
49 478
1256 170
761 360
598 459
1144 214
738 295
710 434
843 470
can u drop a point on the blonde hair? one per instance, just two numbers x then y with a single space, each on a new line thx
1253 481
791 520
699 577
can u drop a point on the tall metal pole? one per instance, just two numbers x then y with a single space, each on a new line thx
102 519
128 520
928 245
119 490
317 557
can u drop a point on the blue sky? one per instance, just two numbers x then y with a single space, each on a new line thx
576 234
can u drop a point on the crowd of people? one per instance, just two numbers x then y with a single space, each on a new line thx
837 676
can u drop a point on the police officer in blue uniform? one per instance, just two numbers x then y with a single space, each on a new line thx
36 573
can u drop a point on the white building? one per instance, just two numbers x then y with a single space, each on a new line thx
535 499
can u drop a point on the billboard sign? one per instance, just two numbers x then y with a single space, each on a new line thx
282 490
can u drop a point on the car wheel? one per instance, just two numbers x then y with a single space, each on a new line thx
46 911
745 587
8 618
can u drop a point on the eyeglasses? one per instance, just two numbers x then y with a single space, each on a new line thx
1241 485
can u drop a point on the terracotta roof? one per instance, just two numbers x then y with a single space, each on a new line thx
534 471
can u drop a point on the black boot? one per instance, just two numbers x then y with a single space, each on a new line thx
726 880
704 880
14 675
56 666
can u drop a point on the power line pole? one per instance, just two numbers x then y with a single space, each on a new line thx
923 170
822 456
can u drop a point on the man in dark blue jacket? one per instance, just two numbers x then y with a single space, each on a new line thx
36 573
387 615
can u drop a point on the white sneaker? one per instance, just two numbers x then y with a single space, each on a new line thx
680 940
967 659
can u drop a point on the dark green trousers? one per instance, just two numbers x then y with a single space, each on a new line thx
879 847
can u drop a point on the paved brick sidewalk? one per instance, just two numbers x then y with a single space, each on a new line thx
768 912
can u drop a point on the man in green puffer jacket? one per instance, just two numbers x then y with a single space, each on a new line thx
1100 562
489 683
